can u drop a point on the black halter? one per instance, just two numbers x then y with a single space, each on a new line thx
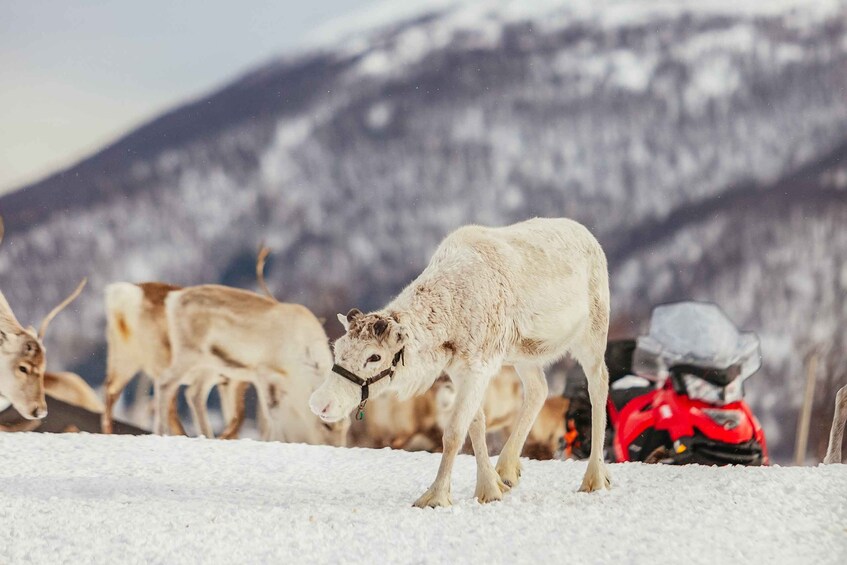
366 383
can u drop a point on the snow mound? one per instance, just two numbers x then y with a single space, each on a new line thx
100 499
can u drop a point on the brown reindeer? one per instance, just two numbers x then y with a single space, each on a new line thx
137 337
244 337
23 359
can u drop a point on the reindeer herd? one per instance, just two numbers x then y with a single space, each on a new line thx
456 347
211 336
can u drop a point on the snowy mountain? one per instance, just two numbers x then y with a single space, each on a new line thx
704 143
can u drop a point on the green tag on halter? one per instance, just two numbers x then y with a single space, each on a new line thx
361 414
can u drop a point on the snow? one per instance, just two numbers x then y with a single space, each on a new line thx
714 78
456 16
100 499
379 115
486 19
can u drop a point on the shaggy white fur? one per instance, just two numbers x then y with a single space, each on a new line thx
523 295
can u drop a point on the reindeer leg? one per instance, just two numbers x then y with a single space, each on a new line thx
106 416
489 487
232 403
469 395
174 423
119 373
268 412
198 395
165 389
592 361
535 391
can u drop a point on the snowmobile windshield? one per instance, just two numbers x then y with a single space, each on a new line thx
697 334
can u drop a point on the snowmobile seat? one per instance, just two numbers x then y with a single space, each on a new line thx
619 358
620 397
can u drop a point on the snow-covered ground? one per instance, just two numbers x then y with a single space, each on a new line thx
98 499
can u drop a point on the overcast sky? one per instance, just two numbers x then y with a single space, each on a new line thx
75 75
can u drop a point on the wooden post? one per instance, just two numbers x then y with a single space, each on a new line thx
806 411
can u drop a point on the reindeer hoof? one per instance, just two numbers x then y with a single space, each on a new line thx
434 499
490 489
510 473
596 477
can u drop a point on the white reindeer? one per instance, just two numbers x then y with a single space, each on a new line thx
836 434
523 295
217 331
23 359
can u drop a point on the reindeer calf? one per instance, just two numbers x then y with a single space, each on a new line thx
244 337
522 295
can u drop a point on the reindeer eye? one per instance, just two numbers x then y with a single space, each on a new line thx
23 369
374 358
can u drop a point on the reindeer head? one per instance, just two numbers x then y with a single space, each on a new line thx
22 372
22 360
369 348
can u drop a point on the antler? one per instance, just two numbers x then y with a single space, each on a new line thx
59 308
2 228
260 270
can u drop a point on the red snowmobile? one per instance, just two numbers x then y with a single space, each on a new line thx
676 394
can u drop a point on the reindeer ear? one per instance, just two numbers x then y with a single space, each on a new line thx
343 320
349 318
